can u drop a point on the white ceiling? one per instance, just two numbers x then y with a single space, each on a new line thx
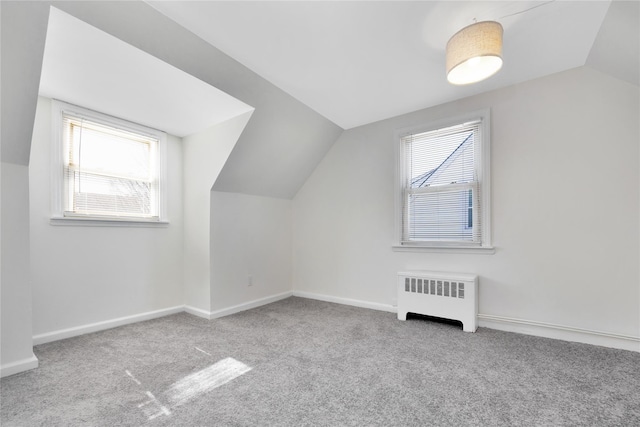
359 62
113 77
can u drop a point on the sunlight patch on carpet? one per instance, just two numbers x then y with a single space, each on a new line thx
152 408
205 380
132 377
202 351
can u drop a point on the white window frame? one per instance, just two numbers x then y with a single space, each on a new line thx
482 156
58 214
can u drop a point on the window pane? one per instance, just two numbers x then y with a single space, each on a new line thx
441 184
442 160
439 216
99 150
110 171
105 195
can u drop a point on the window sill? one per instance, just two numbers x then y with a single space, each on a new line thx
483 250
107 222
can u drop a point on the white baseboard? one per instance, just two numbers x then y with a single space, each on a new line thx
565 333
197 312
521 326
107 324
19 366
236 308
249 305
347 301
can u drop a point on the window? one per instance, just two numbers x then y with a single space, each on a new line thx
444 184
105 168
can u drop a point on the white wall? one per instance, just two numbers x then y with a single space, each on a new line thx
83 275
16 351
23 34
250 236
565 174
204 156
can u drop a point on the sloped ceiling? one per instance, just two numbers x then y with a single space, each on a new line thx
616 50
284 139
274 156
356 62
23 31
113 77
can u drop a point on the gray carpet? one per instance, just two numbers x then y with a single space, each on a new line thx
302 362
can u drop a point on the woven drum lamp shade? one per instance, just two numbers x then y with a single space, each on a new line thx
474 53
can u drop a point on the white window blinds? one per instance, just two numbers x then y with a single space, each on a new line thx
441 189
109 171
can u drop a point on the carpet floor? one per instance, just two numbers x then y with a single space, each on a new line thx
301 362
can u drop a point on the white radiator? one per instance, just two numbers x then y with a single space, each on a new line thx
447 295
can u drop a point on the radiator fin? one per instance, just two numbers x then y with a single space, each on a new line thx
443 288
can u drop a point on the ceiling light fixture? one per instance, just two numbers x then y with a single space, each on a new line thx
474 53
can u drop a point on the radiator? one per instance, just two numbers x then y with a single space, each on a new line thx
446 295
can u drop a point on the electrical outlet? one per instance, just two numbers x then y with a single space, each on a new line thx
250 282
